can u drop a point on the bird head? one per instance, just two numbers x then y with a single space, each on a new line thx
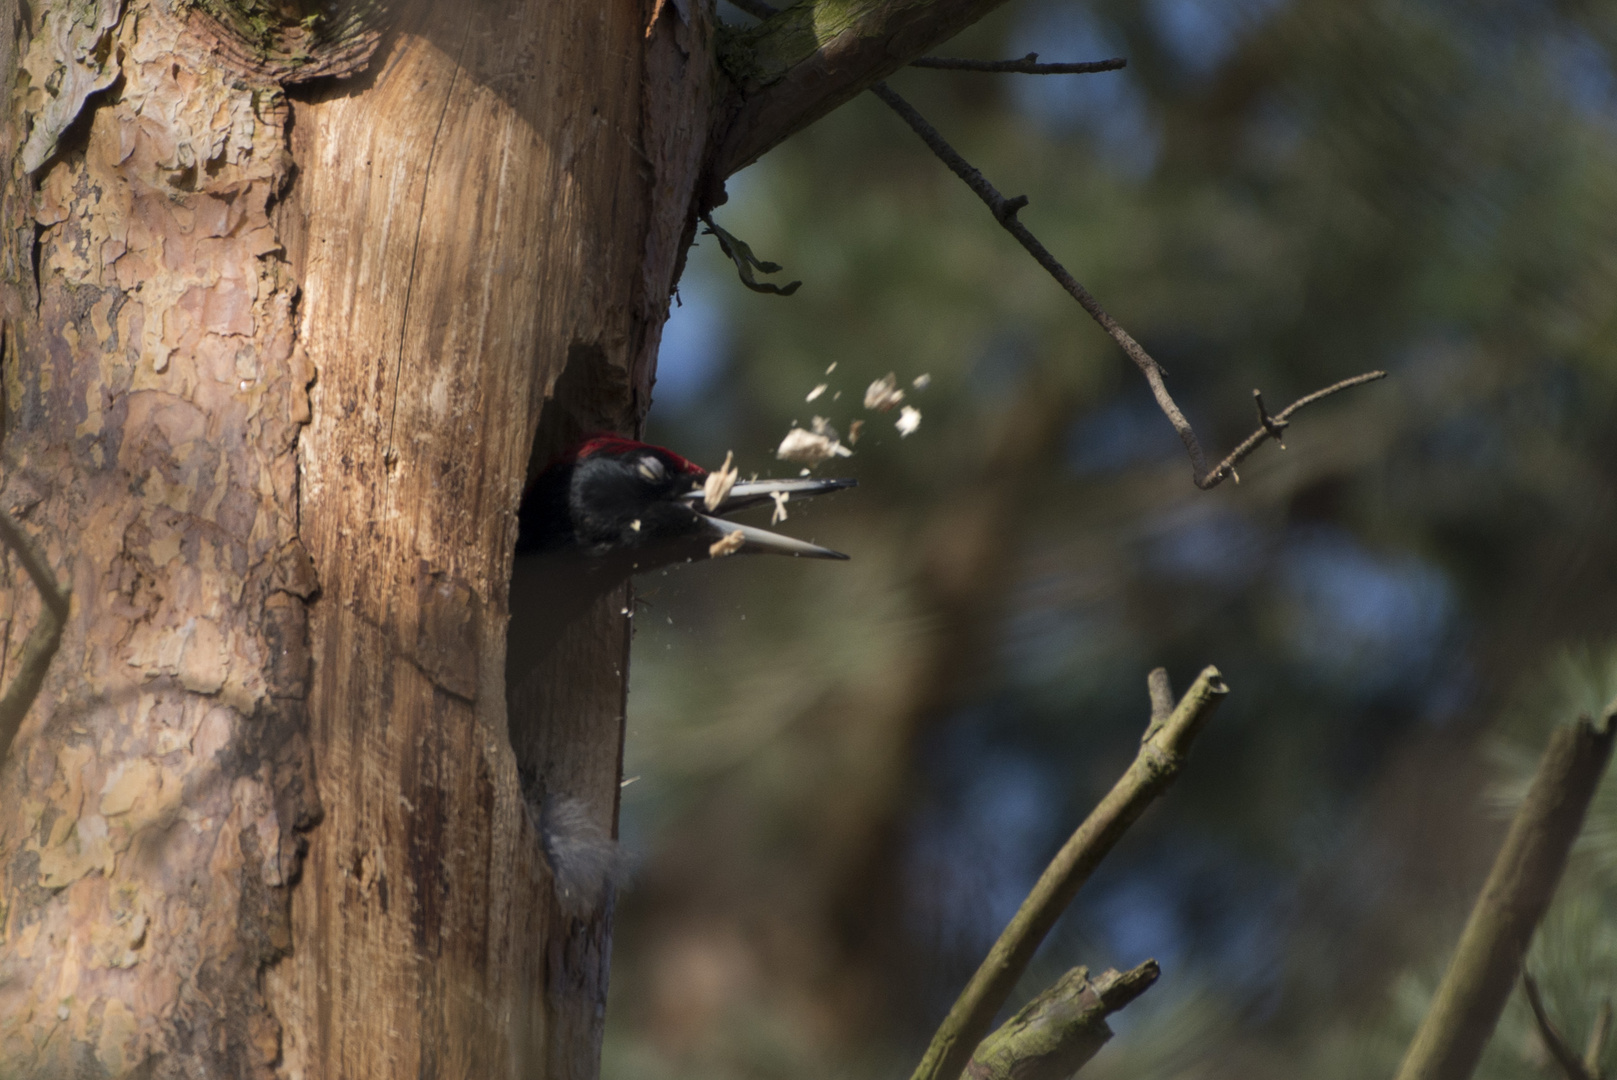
611 498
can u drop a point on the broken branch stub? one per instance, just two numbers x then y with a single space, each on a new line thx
1055 1034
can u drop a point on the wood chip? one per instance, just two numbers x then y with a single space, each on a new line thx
780 498
817 391
908 420
884 393
728 544
716 488
809 448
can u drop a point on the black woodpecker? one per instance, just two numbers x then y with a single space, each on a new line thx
612 507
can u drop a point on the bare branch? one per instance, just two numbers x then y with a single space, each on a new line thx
1559 1050
1158 762
40 646
1056 1033
1027 65
1005 211
1513 900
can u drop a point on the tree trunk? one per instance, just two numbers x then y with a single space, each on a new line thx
278 338
293 300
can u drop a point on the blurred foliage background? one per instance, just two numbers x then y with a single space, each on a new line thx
846 776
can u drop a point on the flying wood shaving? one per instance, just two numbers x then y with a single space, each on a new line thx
817 391
908 420
853 431
716 488
832 368
821 426
780 498
728 544
809 448
884 393
921 382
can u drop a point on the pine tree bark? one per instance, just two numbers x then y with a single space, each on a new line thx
282 316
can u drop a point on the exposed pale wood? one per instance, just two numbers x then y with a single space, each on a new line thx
481 219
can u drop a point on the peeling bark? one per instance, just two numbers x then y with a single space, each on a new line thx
156 799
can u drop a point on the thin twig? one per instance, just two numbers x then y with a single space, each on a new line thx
40 646
1027 65
1519 888
1553 1041
1594 1055
1155 767
1005 211
1272 426
1055 1034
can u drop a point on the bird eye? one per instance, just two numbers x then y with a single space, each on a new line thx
651 468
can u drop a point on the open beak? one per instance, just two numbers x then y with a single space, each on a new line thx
756 541
747 493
